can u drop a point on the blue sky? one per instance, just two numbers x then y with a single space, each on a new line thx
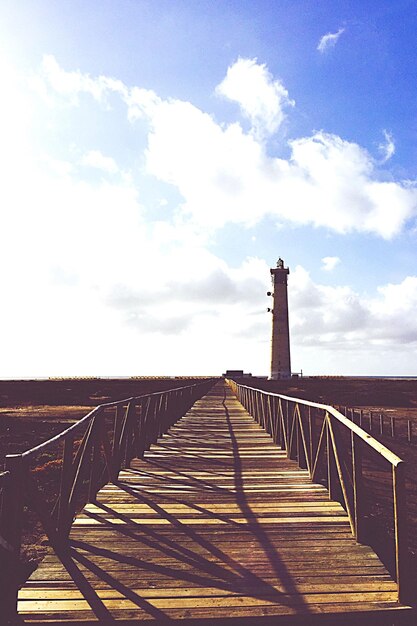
158 157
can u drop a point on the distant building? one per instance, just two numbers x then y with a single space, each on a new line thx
280 343
236 374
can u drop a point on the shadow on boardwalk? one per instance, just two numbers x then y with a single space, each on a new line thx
214 525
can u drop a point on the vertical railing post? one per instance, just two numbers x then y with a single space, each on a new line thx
304 459
117 431
262 409
160 416
165 418
256 406
271 404
94 459
287 423
400 531
142 427
13 501
283 432
358 496
12 514
297 427
278 421
125 438
269 414
136 431
65 485
332 476
310 438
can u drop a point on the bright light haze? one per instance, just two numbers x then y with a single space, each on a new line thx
157 157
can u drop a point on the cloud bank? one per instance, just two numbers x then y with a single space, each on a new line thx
326 181
94 255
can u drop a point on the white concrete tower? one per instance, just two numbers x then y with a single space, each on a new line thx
280 343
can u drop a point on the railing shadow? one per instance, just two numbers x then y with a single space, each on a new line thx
194 556
164 548
341 455
258 531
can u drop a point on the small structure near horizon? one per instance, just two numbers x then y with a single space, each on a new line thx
280 342
236 374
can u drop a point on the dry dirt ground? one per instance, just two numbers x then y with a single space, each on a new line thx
33 411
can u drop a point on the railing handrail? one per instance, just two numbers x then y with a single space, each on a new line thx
292 423
390 456
63 434
103 449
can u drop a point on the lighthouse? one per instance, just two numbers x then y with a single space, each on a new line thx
280 343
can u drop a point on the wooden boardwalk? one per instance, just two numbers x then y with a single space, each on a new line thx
215 523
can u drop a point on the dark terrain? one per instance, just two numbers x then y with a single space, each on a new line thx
357 392
33 411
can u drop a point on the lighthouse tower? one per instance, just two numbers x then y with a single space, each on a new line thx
280 344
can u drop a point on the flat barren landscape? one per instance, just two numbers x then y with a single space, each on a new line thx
33 411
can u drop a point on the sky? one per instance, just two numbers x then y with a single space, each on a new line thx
157 157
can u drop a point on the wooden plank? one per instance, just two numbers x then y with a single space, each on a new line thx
213 523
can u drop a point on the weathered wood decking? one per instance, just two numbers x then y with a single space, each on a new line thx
215 523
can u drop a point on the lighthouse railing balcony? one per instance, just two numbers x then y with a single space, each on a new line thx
339 454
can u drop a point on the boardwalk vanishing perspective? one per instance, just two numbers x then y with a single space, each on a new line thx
214 523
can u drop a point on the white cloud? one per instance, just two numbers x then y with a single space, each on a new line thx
330 262
329 40
261 98
72 83
53 80
80 256
387 149
353 333
225 175
140 102
127 290
343 317
94 158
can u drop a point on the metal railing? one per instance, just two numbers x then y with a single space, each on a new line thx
87 455
331 447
